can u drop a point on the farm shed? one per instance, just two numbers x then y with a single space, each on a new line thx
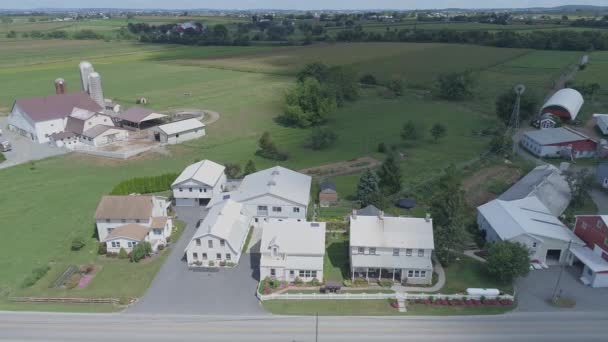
178 132
102 135
139 117
566 103
601 121
559 142
328 194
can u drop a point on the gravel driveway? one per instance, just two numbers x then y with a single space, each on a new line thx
177 290
24 149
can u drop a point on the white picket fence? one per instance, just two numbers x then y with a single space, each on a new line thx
365 296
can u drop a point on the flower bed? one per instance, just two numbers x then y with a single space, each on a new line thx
464 302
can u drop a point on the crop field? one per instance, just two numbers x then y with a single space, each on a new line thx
50 202
417 64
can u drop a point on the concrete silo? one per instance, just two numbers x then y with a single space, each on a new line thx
86 69
95 90
60 86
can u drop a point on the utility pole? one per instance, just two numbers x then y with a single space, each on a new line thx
555 295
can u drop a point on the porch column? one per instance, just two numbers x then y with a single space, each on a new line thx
367 274
379 274
393 275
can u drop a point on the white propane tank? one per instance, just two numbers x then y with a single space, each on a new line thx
482 292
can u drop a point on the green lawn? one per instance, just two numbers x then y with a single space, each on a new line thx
467 273
52 307
371 307
336 261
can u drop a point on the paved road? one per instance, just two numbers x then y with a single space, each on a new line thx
24 149
177 290
119 327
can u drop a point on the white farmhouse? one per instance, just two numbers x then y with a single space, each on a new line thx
124 221
528 221
274 193
292 249
397 248
178 132
198 183
220 236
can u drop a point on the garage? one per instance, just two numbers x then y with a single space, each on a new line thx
553 257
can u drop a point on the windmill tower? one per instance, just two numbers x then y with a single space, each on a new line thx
513 127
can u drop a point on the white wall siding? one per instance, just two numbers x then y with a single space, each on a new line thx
211 252
22 123
181 137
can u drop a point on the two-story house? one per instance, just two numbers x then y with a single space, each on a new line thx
125 221
397 248
593 230
292 249
277 193
220 236
198 183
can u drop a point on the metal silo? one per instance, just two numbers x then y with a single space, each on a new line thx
95 89
86 69
60 86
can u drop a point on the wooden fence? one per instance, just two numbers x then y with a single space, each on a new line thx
65 300
367 296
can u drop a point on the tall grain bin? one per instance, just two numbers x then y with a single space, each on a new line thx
86 69
60 86
95 89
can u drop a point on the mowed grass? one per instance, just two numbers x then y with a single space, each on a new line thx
466 273
336 261
52 201
417 64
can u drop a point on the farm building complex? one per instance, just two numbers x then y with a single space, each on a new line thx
593 230
178 131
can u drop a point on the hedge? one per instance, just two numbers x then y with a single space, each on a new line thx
145 185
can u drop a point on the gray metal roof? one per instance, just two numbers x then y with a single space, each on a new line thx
602 172
278 181
546 183
371 210
558 135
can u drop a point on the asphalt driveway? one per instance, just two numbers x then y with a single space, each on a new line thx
177 290
24 150
534 291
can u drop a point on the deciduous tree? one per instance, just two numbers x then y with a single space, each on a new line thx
508 260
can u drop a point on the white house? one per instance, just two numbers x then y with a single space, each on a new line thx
292 249
198 183
397 248
274 193
528 221
178 132
123 219
90 128
220 236
38 118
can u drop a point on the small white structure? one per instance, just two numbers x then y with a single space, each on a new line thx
122 220
565 103
274 193
397 248
530 223
220 237
179 131
601 121
292 250
198 183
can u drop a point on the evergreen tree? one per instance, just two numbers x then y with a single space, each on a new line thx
249 168
368 189
390 175
448 210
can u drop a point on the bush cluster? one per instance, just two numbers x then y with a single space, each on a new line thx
37 274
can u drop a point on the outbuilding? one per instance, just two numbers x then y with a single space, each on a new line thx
601 121
328 194
178 132
139 117
565 103
559 142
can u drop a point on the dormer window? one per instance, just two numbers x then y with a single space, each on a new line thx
275 251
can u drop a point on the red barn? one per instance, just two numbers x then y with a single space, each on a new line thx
565 103
593 230
559 142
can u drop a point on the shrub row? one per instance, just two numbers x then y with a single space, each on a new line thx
145 185
37 274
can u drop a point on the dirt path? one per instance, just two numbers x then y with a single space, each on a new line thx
342 168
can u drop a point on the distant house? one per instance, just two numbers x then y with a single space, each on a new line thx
125 221
528 221
328 194
38 118
545 182
548 120
291 250
178 132
601 175
198 183
277 193
220 236
593 230
601 121
397 248
565 103
559 142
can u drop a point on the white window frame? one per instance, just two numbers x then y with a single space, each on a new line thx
421 252
209 243
408 252
395 251
361 250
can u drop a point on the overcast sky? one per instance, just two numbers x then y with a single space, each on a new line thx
291 4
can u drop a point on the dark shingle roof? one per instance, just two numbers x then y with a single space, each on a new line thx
46 108
328 185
